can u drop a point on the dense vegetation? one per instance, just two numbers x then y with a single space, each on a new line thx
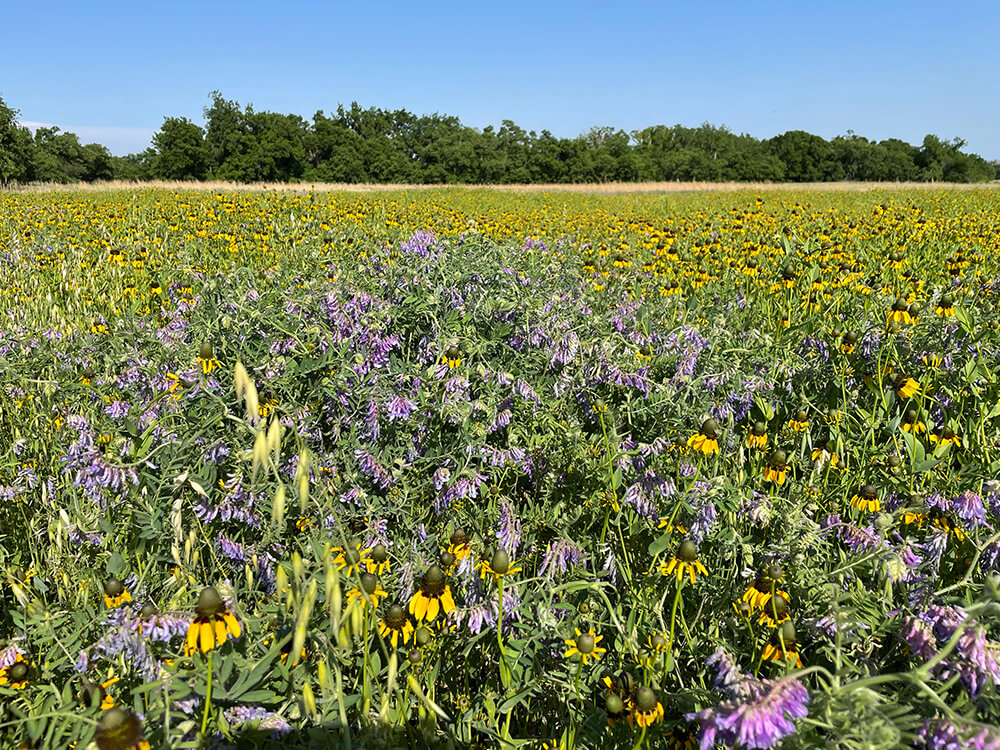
469 469
356 145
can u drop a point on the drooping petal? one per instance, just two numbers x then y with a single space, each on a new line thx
207 637
433 605
233 625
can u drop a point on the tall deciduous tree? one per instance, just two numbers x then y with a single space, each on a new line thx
16 147
181 153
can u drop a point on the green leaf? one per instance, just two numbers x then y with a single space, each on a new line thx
657 546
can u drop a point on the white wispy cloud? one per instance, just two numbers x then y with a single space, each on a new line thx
119 140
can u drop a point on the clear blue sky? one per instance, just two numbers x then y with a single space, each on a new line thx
110 71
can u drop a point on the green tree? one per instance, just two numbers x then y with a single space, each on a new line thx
16 147
807 157
181 153
97 164
59 157
134 167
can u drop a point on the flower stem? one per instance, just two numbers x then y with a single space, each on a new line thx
208 699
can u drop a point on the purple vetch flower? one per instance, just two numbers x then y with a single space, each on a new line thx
117 409
257 717
509 531
162 628
231 549
969 507
400 408
704 521
125 640
941 734
974 658
761 717
9 655
559 556
501 421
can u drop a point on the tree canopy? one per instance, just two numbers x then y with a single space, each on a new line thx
353 145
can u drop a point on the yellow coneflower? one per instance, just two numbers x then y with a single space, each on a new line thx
899 314
849 342
120 729
458 545
15 676
452 357
349 560
942 522
757 438
906 387
212 625
945 307
395 625
911 422
87 375
777 468
433 596
799 421
826 456
788 276
369 591
378 562
867 500
685 560
706 440
682 738
93 694
657 643
206 358
782 646
616 707
585 644
115 594
946 436
775 611
764 586
932 360
498 566
669 525
647 709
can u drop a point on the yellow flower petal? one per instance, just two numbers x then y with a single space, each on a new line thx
220 631
207 637
432 609
232 625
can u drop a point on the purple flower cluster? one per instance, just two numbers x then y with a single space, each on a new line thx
974 657
941 734
757 714
559 556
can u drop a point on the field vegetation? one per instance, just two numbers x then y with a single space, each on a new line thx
465 468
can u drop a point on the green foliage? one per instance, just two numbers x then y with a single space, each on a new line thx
15 147
180 150
358 145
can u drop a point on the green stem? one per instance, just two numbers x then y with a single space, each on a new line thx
208 699
673 615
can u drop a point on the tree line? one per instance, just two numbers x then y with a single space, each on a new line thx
357 145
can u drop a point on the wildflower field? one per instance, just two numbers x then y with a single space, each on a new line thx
463 469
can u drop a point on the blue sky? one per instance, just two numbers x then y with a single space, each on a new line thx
110 71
